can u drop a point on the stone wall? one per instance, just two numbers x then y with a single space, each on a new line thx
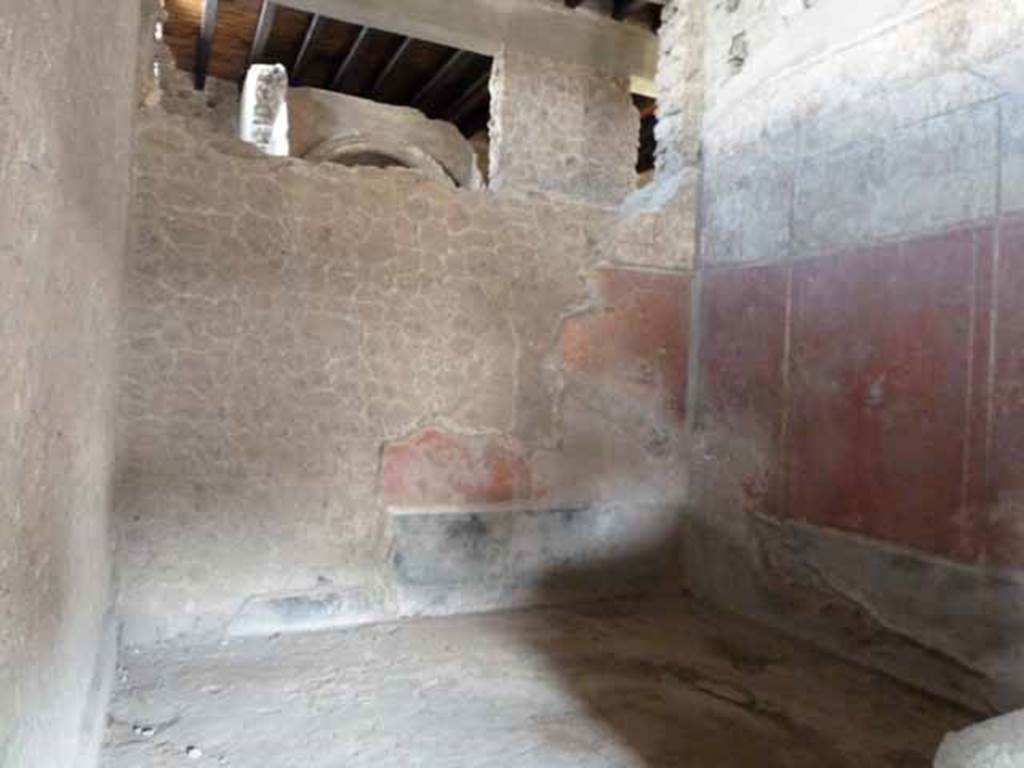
338 383
65 147
858 413
561 129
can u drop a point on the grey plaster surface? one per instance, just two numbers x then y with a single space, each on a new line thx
451 562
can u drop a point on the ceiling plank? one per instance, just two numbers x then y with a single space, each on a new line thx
204 45
649 109
350 57
385 73
462 104
537 27
443 71
263 28
476 121
623 8
316 24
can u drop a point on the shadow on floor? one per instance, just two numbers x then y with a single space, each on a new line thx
703 690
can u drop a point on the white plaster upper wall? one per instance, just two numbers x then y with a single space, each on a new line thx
784 33
849 126
803 62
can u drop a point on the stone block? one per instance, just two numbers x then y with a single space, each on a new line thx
748 203
564 129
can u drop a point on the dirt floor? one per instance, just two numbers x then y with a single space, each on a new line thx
648 684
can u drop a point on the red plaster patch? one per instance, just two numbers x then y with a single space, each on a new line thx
439 467
637 344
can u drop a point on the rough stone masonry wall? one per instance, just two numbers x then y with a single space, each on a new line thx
561 129
351 393
65 147
860 423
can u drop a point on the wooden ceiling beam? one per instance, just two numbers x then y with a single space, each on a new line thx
316 23
350 57
385 73
623 8
462 104
268 9
573 3
648 110
475 121
204 45
486 27
443 71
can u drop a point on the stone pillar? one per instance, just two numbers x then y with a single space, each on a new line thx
561 128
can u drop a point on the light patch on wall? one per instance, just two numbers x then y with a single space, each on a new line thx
264 109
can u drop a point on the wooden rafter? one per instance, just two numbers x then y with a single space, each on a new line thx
623 8
316 23
263 28
443 71
461 106
393 61
204 45
350 57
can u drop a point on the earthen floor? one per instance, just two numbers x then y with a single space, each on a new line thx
658 683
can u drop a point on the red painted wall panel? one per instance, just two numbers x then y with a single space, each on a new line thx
743 338
878 392
886 419
1005 534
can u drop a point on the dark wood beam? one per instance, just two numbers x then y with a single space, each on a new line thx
263 28
346 63
648 110
572 3
623 8
385 73
475 121
204 46
461 106
443 71
316 23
